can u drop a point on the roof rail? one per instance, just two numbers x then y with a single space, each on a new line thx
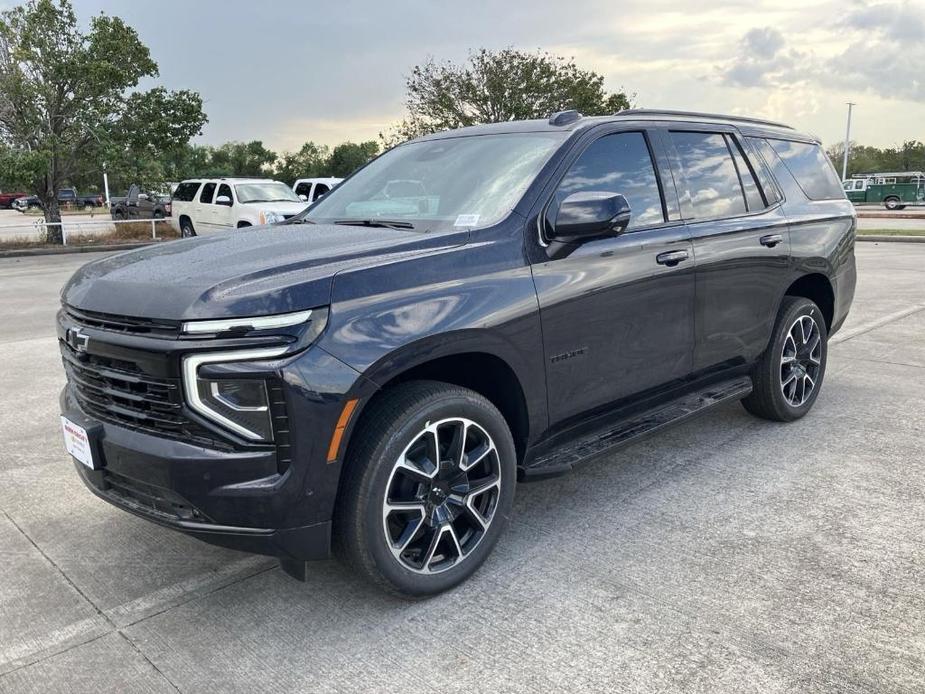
696 114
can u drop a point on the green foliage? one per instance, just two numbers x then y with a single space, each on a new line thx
350 156
865 159
311 161
63 98
240 159
496 86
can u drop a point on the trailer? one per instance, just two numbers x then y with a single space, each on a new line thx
895 190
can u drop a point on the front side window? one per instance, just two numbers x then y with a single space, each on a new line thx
225 190
265 191
320 189
303 188
455 182
710 173
811 168
618 163
208 190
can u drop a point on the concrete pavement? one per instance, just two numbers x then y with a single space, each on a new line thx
726 555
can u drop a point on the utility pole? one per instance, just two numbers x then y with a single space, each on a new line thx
844 165
106 184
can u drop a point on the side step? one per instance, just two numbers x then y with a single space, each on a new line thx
611 437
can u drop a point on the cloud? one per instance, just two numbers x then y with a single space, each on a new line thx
884 55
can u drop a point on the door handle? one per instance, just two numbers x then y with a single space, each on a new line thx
771 240
671 258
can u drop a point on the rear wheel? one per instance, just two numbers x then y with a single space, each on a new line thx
186 228
893 203
789 375
427 489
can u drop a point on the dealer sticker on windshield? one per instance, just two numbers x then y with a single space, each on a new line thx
466 220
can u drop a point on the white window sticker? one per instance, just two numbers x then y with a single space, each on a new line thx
466 220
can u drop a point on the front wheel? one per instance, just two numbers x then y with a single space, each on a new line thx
427 488
789 375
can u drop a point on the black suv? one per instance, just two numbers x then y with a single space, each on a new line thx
472 308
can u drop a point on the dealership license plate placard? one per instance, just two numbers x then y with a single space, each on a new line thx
77 442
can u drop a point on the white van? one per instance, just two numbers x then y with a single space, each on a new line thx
310 189
203 206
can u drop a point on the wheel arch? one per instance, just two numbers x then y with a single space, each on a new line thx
482 370
817 288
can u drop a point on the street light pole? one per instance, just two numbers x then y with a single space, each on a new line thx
844 165
106 185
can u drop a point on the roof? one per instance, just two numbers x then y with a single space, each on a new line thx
573 121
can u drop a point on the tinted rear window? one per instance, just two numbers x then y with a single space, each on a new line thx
710 174
811 168
185 192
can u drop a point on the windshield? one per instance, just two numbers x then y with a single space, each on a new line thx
441 184
268 191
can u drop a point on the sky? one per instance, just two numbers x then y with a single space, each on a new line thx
288 71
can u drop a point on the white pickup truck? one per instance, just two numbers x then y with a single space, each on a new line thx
310 189
208 205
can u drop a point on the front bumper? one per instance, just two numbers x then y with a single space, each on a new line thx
187 487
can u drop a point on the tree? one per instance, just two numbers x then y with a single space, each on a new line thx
241 159
350 156
496 86
311 161
865 159
63 96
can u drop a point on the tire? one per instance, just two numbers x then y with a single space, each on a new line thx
186 228
892 203
445 528
243 225
158 214
119 216
788 377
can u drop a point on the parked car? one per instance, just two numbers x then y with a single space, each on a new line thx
374 375
894 190
91 200
7 199
67 197
311 189
204 206
139 204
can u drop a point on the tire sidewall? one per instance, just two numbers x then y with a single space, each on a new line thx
801 307
398 436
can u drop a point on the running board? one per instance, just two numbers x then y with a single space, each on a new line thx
609 438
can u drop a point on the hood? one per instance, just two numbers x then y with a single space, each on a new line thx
287 208
249 272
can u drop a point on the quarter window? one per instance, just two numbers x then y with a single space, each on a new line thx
208 190
618 163
710 173
186 192
811 168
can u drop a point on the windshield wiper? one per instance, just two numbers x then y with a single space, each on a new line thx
387 223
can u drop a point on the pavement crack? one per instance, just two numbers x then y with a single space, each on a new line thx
113 626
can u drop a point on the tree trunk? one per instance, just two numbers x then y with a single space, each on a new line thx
53 234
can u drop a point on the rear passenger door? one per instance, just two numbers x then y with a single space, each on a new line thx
204 212
741 242
617 312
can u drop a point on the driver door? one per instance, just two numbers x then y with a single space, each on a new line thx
618 312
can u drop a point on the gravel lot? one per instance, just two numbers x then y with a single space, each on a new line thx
728 555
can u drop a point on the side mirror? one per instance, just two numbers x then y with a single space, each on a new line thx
303 197
590 214
142 196
223 200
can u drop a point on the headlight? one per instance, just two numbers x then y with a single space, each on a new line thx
271 217
241 404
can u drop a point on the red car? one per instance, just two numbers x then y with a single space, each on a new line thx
6 199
